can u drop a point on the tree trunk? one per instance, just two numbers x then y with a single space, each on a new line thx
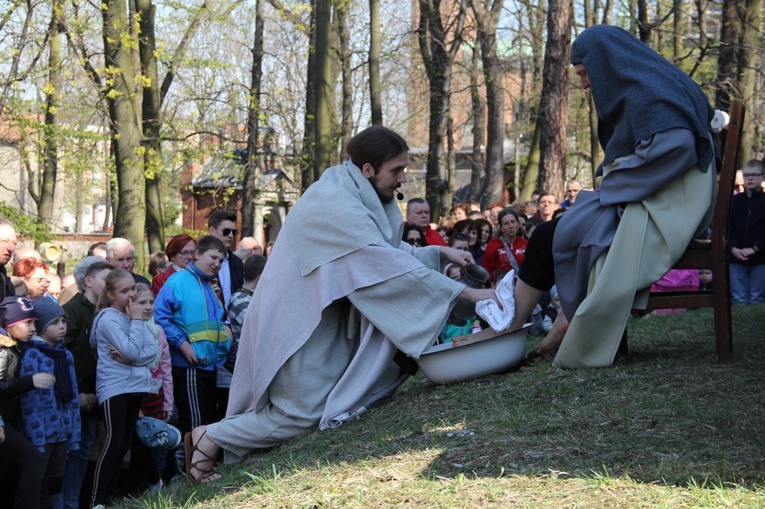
487 18
346 114
438 56
53 93
451 161
748 60
727 85
530 176
554 105
307 158
155 222
479 118
125 116
375 44
249 193
324 87
678 30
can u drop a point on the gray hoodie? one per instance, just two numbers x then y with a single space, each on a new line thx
136 343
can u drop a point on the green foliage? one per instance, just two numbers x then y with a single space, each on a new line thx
26 226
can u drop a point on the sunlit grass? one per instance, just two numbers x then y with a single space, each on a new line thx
666 427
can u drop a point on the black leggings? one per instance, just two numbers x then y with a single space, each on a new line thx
120 414
28 462
538 268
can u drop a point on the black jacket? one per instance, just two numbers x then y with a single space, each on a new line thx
747 226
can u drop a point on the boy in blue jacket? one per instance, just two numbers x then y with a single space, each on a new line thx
190 313
50 417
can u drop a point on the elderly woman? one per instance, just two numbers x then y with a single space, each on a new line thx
656 194
35 275
180 251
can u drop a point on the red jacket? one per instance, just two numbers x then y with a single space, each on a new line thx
433 238
495 257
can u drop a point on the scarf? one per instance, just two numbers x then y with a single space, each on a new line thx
63 388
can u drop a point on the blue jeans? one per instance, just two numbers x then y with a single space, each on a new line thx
76 463
747 284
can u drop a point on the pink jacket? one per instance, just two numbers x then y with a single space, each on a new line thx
165 368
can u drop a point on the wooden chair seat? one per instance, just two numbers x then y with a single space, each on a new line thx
712 254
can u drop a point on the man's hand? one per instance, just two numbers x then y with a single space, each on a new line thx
167 415
188 352
476 295
457 256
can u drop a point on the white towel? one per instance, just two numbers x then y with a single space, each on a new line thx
499 319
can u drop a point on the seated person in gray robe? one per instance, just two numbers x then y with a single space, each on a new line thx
340 295
656 194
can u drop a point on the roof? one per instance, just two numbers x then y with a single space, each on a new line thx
226 170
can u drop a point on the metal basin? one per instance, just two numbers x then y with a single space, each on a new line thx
443 364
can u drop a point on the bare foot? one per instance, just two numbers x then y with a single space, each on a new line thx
201 452
553 339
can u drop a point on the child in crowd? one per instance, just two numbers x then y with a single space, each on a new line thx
159 406
191 315
237 307
120 334
20 481
158 263
705 279
80 311
459 241
50 417
453 271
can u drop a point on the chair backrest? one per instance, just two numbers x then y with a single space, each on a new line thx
727 176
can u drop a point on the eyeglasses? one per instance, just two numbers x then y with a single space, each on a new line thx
187 254
228 231
41 280
752 175
414 242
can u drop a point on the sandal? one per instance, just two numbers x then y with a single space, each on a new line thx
189 450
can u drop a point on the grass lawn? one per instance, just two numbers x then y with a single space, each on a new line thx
666 427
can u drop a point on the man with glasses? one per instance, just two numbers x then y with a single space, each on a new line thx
120 254
746 238
222 225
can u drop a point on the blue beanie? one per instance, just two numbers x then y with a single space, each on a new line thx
47 310
14 310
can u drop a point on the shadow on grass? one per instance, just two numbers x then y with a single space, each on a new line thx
667 414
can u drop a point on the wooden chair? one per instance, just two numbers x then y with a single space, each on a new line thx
712 253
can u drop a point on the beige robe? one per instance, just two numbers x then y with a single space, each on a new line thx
651 237
328 316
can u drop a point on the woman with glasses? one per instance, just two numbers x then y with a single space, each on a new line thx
414 236
180 251
506 251
35 275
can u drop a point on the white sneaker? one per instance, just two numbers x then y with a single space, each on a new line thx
155 487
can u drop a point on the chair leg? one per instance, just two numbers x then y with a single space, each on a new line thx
723 322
